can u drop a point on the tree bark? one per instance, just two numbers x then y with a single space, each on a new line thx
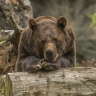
16 14
64 82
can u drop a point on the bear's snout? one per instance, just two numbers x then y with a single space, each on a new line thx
50 53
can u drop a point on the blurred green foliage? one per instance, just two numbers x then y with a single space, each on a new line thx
2 42
93 18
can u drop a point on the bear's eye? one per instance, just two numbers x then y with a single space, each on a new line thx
43 42
55 40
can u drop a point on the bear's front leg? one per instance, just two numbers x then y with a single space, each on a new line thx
61 62
51 66
31 64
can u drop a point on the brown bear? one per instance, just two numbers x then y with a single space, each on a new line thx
47 43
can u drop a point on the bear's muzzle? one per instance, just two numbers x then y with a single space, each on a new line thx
50 53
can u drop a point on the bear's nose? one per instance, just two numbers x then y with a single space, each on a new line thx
49 53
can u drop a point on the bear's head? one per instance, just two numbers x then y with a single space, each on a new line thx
50 37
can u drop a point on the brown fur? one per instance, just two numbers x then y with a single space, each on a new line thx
48 39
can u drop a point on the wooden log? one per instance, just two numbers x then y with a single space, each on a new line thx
64 82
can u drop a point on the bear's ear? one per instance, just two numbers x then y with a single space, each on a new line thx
32 24
62 22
